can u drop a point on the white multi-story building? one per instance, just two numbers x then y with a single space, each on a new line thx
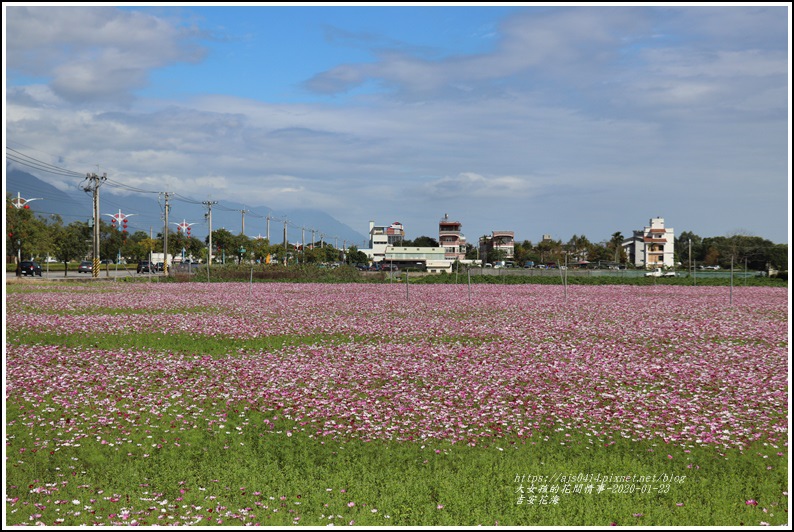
653 247
381 236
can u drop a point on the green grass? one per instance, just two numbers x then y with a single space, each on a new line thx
186 343
254 467
215 346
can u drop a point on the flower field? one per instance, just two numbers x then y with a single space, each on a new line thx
306 404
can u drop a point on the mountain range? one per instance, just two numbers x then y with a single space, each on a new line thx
145 212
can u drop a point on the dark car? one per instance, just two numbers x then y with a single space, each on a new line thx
29 267
146 266
86 266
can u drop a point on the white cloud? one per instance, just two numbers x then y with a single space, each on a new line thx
92 53
555 43
470 184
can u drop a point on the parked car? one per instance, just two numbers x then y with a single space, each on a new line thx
106 261
146 266
159 267
28 267
86 266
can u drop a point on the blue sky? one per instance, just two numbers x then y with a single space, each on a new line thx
537 119
271 53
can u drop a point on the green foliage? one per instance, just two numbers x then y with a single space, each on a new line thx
421 242
72 242
187 343
354 256
756 252
26 234
288 474
304 273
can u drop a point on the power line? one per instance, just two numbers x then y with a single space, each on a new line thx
26 160
39 165
116 184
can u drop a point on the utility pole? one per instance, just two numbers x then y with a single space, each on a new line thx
165 236
243 211
268 229
94 182
150 250
312 238
209 205
303 245
285 242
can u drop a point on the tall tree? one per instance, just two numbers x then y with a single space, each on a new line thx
355 256
524 252
616 247
778 257
71 243
421 242
223 242
682 245
550 251
578 248
260 248
23 229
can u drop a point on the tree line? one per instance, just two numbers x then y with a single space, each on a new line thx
32 236
38 237
754 252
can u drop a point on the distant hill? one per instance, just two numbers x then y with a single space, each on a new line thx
145 212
